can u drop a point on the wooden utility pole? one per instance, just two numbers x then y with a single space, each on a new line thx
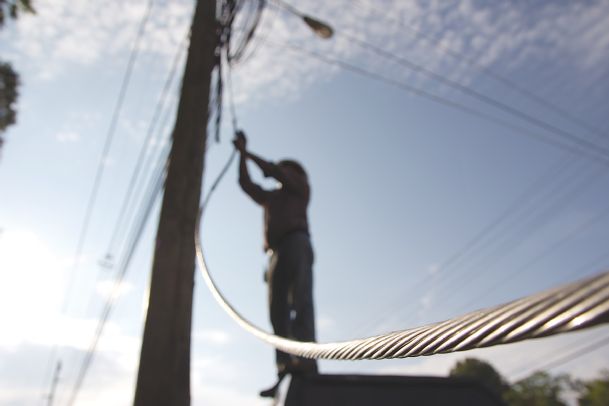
164 370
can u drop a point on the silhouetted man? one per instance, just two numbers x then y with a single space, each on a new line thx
290 274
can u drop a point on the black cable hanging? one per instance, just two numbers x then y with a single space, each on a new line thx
225 55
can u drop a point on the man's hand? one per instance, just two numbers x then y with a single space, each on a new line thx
240 142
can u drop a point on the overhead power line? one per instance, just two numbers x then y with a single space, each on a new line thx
154 189
562 309
405 62
590 222
481 97
108 142
568 357
402 61
531 221
137 225
571 307
532 191
472 62
506 108
102 164
152 194
583 149
131 188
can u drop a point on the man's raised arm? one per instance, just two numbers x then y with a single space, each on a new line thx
289 180
253 190
294 182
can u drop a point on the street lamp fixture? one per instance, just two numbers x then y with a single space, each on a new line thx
320 28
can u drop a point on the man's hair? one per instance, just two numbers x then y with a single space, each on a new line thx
294 165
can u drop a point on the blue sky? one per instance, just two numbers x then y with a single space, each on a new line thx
401 184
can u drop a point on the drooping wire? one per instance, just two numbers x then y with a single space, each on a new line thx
472 62
228 61
522 222
580 149
512 209
110 133
152 194
261 38
131 188
565 358
231 98
108 143
558 310
590 222
542 124
531 119
531 221
562 164
490 118
236 53
229 53
233 154
148 203
571 307
535 121
218 101
590 150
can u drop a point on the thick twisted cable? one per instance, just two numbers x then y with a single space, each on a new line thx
570 307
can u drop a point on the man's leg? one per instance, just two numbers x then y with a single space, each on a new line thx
303 323
278 303
278 281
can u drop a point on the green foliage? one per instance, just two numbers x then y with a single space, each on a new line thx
9 81
482 372
538 389
12 9
594 392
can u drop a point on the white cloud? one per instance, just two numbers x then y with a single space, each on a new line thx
325 323
65 33
67 136
212 336
226 396
109 162
426 301
107 288
510 34
31 285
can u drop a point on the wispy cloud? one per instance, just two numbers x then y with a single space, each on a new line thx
65 34
67 136
506 36
326 325
107 288
212 336
24 287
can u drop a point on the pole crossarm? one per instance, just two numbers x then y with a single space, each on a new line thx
570 307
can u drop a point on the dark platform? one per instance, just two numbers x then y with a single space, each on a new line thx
359 390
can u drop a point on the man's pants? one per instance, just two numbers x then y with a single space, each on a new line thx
290 279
